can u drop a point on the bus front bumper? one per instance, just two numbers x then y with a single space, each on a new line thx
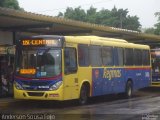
155 84
38 95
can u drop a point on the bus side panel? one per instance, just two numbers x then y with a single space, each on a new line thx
107 81
155 79
139 76
132 74
73 86
146 78
114 80
97 82
84 74
119 81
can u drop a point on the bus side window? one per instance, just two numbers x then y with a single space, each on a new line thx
118 56
95 55
129 57
70 60
107 56
146 57
83 55
138 57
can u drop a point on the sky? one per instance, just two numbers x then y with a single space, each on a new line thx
144 9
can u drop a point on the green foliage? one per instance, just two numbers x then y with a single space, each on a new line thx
132 23
91 15
13 4
114 18
75 14
155 30
150 31
157 25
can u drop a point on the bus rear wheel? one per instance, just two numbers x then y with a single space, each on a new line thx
83 95
128 92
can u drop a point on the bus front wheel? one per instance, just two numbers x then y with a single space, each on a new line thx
83 95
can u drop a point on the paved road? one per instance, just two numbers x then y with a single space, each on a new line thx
145 105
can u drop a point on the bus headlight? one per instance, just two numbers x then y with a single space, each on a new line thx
56 86
18 86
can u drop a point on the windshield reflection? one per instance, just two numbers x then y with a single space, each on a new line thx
46 62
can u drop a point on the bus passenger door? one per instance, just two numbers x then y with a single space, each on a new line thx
70 73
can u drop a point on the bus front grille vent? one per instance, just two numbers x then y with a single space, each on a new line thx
35 94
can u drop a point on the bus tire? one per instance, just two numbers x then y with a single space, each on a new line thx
129 90
83 98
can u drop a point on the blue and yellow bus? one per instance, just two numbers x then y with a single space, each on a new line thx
61 68
155 58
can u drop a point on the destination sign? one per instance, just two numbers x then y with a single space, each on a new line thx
7 49
27 71
40 42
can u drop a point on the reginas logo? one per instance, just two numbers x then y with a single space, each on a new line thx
109 73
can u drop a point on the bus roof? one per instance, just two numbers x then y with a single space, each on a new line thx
155 49
103 38
95 40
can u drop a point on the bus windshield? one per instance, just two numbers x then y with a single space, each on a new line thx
38 62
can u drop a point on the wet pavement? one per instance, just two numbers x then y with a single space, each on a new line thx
145 105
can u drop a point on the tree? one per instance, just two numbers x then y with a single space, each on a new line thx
75 14
115 18
13 4
150 30
132 23
156 28
157 25
103 16
91 15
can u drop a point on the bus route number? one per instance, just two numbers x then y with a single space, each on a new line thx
25 42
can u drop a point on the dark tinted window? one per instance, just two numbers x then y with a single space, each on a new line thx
118 56
137 57
107 56
146 57
70 60
128 56
83 55
95 55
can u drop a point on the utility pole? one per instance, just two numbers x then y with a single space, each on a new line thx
121 19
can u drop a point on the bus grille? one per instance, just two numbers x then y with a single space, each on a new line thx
36 83
39 94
